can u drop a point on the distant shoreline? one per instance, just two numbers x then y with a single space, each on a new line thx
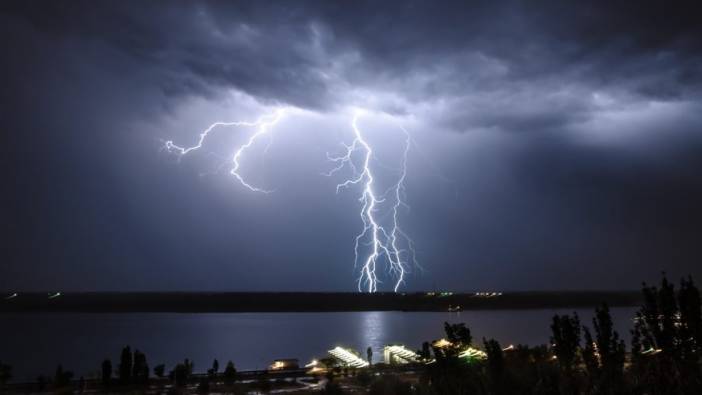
250 302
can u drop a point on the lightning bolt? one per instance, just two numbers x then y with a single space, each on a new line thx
262 125
384 238
383 241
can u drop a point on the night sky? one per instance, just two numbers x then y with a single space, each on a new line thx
556 147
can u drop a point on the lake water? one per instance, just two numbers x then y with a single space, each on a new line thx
35 343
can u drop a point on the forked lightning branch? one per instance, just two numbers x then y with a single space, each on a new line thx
381 247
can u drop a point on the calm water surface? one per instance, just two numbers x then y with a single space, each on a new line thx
35 343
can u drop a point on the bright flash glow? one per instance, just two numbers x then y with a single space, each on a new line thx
378 240
468 353
312 364
383 241
472 353
442 343
281 364
262 125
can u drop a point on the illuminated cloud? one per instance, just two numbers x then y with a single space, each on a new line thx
528 120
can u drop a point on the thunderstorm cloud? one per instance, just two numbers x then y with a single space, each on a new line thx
556 145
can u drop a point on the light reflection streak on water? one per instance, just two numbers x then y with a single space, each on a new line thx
373 331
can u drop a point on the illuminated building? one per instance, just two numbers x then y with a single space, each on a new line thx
471 354
468 353
284 364
348 358
398 354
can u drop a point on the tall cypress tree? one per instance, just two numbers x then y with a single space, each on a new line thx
566 340
604 355
106 372
125 366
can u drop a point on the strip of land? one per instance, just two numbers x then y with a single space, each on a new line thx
235 302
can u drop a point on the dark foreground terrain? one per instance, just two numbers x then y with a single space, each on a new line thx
664 356
304 302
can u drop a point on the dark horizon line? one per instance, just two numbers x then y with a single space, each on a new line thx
308 301
512 292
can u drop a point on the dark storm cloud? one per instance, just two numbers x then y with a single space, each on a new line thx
193 51
584 120
303 53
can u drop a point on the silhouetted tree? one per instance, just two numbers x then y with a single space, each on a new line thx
160 370
459 338
690 333
590 355
230 372
425 352
189 365
565 340
180 374
604 355
530 370
495 361
62 378
666 339
458 334
212 372
328 362
41 382
125 366
451 374
656 318
5 373
140 370
106 372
